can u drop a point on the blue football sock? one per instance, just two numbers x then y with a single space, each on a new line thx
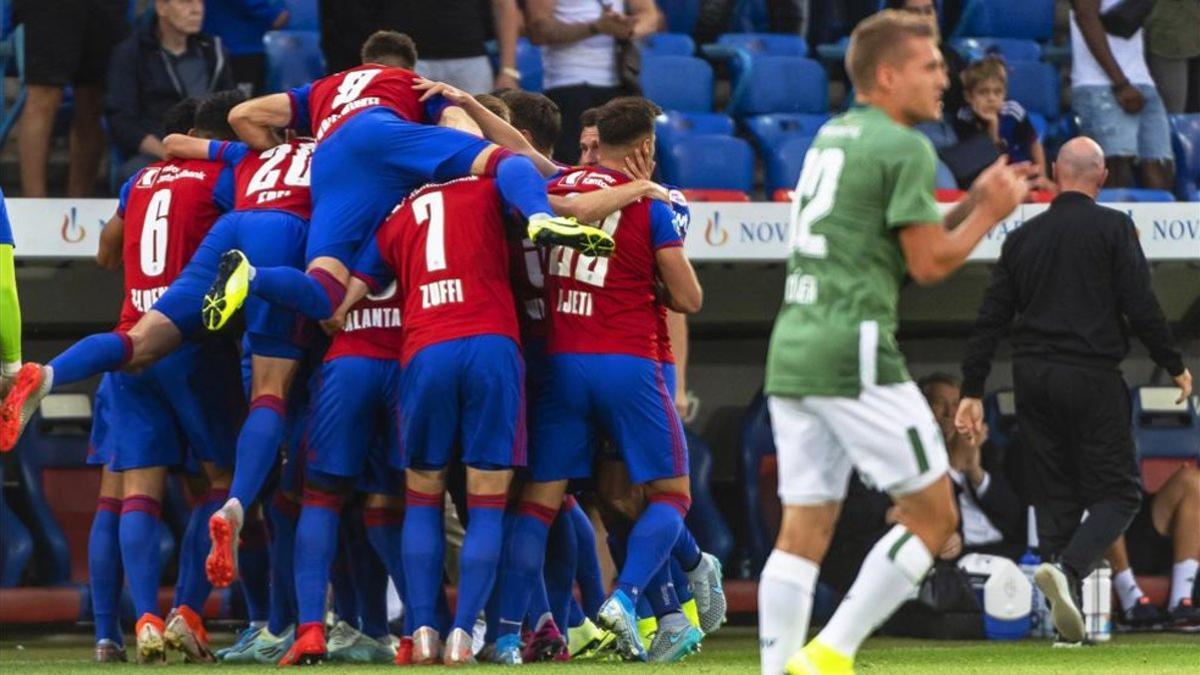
480 556
317 541
104 569
521 572
539 603
385 528
258 448
683 587
140 551
587 568
661 593
282 514
651 541
522 186
314 294
370 582
643 608
193 586
493 607
254 567
562 552
686 550
424 546
94 354
575 615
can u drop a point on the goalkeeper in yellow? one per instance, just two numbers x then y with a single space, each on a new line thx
10 306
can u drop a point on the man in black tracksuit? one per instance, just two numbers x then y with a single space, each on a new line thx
1067 281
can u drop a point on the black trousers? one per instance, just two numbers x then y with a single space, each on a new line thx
571 102
1074 424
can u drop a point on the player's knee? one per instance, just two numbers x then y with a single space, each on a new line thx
1189 476
319 483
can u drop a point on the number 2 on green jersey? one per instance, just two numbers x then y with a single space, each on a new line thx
814 198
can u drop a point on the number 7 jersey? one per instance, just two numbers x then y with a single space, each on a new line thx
864 177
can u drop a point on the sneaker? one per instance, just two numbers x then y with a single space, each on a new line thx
31 385
617 615
1061 588
675 639
425 646
150 645
587 640
308 649
458 651
507 650
185 633
108 651
404 652
224 528
259 645
347 644
818 659
1143 614
547 644
239 651
556 231
227 293
1185 614
709 591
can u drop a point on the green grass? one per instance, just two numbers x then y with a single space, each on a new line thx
734 650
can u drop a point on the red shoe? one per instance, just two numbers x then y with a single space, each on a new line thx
29 388
309 647
547 644
150 645
221 565
185 632
404 652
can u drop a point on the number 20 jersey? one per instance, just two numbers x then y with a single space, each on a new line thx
276 178
607 305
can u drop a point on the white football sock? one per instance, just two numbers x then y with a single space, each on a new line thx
785 598
1127 588
234 506
893 568
1183 579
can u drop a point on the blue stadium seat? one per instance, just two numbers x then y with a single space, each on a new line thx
1000 414
765 44
1163 428
529 62
944 178
293 58
16 545
779 84
939 133
673 124
678 82
1028 19
704 518
1035 86
756 469
1134 195
749 16
1012 49
708 161
769 131
668 44
681 14
1185 139
783 163
303 15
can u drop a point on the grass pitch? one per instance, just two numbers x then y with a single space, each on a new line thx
733 650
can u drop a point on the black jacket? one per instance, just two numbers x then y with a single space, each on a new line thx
1071 277
142 83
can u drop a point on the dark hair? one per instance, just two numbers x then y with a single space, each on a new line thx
179 118
495 104
537 115
589 117
937 378
212 115
391 48
624 120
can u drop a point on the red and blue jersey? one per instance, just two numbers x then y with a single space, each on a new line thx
167 207
320 107
5 226
276 178
683 217
445 245
373 329
607 305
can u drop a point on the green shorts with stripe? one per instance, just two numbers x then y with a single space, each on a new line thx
887 433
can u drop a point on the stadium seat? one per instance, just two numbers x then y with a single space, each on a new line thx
709 162
939 133
1000 414
529 62
1185 139
1035 86
668 44
1134 195
944 178
834 53
781 84
293 58
948 196
782 195
1012 49
303 15
673 124
769 131
1156 471
765 44
681 14
678 83
716 196
758 477
1028 19
1162 427
16 545
704 518
784 162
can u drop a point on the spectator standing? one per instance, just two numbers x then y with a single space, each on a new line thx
1173 53
1071 276
164 61
1117 101
450 36
241 24
67 42
579 54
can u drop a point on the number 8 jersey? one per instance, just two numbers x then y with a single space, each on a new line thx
167 207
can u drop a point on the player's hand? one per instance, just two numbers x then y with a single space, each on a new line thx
969 418
1129 98
952 548
683 405
615 24
654 190
1184 382
335 323
1002 187
505 81
452 94
639 164
281 20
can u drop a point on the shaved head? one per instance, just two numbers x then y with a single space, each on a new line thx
1080 166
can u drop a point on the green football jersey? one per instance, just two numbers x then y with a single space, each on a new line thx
864 177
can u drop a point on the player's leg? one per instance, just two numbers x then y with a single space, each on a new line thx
1176 514
361 637
383 520
141 515
562 557
254 567
424 549
587 570
104 569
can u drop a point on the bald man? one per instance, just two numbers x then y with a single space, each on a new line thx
1065 282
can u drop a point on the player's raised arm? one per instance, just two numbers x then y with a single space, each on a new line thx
590 207
255 120
183 146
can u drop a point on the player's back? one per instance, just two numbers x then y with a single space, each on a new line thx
276 178
373 328
169 207
446 243
335 98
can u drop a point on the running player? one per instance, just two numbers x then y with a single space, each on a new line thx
604 367
376 144
840 396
